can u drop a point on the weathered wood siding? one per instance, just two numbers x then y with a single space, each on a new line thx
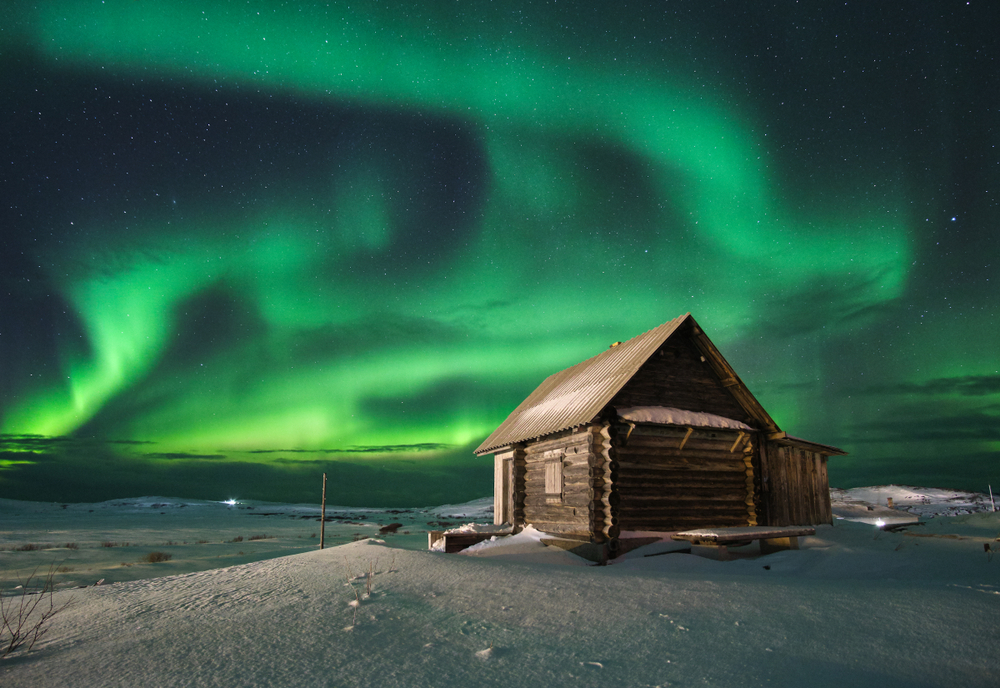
517 484
795 487
567 512
665 483
503 483
676 376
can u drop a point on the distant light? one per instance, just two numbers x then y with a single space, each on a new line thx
230 502
879 523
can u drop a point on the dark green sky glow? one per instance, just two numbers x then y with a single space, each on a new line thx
244 243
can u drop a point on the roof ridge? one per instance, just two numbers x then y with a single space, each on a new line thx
581 390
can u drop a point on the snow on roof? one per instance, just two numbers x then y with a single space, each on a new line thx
664 415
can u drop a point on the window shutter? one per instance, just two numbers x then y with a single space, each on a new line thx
554 478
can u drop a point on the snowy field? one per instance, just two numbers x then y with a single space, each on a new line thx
245 598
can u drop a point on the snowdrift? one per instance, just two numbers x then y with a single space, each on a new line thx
857 605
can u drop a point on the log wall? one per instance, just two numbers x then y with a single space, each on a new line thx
666 482
663 478
603 484
796 488
566 513
676 376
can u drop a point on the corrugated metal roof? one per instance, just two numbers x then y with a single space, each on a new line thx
576 395
788 440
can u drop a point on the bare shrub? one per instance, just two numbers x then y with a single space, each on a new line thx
238 538
72 545
157 557
257 537
370 577
28 547
25 616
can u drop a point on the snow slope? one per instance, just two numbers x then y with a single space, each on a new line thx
855 606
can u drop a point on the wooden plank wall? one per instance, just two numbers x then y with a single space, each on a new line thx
518 471
569 513
503 497
796 487
663 487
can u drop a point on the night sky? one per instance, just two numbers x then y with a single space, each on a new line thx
244 243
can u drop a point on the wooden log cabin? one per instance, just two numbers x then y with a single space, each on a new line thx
655 434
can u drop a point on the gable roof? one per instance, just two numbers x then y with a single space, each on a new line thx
576 396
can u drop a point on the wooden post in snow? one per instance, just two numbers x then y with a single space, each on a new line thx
322 515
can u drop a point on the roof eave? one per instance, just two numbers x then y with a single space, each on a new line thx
786 440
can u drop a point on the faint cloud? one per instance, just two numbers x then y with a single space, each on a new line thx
968 385
394 448
923 425
183 455
363 449
39 443
32 443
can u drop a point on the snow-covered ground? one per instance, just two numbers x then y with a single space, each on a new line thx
856 605
920 501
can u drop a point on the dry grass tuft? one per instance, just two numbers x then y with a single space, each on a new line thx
157 557
25 616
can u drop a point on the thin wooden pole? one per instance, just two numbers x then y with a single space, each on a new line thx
322 516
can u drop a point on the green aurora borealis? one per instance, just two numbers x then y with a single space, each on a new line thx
247 242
